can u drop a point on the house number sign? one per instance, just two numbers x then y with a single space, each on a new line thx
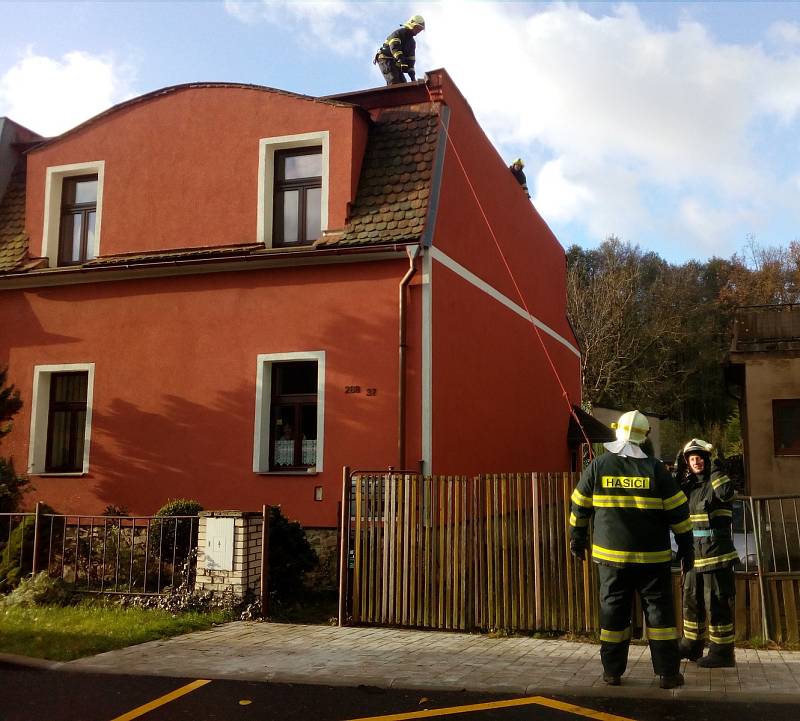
357 389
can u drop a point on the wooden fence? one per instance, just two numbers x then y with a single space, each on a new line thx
491 552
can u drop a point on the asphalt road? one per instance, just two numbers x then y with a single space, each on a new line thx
47 695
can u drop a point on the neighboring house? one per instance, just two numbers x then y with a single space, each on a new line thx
215 285
764 373
607 416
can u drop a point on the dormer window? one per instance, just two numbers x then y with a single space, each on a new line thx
78 219
298 196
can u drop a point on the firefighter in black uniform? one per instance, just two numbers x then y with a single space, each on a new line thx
516 170
710 492
635 502
396 55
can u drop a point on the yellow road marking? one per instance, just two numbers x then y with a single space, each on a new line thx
155 703
509 703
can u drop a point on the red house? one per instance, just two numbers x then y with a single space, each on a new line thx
228 292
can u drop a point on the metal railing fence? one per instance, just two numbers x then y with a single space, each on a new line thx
100 554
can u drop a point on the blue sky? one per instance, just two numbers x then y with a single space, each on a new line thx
672 125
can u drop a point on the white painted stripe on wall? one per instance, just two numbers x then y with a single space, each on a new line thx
473 279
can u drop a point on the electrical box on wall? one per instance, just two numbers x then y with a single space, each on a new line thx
219 544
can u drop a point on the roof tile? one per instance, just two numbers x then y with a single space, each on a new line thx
13 240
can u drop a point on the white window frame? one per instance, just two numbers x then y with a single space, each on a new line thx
40 411
267 147
264 363
54 185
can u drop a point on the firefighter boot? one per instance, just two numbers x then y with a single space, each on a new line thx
718 658
693 650
672 681
611 679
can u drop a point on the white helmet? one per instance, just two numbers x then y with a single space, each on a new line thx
699 446
415 21
632 426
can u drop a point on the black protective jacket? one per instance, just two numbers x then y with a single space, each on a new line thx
401 47
635 502
711 515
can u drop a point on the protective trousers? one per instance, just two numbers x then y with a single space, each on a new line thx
653 582
391 73
719 587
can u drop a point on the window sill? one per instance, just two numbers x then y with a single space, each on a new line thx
310 472
71 474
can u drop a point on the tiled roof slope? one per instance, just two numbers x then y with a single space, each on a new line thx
392 199
13 241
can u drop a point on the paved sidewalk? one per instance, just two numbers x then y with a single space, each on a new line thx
395 658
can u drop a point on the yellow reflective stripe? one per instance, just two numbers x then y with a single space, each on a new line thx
694 635
699 518
675 501
724 628
711 560
643 502
614 636
577 522
609 554
392 41
693 624
722 640
722 512
721 481
665 633
682 527
580 500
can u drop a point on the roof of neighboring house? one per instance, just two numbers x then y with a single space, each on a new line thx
13 241
390 206
594 430
766 329
392 200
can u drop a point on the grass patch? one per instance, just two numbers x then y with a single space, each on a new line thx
67 633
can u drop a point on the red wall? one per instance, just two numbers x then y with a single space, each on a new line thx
491 377
175 374
181 169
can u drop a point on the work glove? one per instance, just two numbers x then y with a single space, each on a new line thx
578 549
685 552
403 67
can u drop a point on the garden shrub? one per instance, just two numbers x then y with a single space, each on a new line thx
39 590
16 554
290 556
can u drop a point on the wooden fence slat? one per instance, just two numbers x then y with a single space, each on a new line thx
790 606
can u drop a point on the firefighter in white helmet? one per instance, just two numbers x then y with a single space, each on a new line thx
396 56
710 492
516 170
635 502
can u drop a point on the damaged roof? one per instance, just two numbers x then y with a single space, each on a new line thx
392 200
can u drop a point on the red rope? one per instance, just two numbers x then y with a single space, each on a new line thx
514 282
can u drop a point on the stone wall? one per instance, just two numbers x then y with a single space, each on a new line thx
325 541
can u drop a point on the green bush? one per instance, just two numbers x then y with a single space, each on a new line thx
174 538
290 556
39 590
12 486
16 555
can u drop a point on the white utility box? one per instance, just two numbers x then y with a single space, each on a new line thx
219 544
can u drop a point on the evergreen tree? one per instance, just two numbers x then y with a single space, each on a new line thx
12 485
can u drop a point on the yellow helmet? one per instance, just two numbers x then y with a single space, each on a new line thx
697 445
415 21
632 426
518 161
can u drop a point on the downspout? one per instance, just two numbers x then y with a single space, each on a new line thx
412 252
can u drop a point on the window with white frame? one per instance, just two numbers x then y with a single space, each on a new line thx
292 189
61 418
72 212
290 411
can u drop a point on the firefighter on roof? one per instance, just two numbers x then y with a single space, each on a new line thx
396 55
709 491
635 502
516 170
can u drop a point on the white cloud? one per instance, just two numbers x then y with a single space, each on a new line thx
625 116
335 26
51 95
